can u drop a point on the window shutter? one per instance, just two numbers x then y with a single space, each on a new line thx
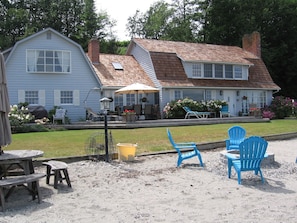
21 96
76 97
41 97
57 98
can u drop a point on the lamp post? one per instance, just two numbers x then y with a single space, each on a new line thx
105 104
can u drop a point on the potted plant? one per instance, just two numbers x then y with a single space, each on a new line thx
129 115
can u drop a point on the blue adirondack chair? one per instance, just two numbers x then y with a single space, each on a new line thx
236 136
252 151
185 150
224 111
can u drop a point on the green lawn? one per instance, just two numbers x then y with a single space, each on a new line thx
72 142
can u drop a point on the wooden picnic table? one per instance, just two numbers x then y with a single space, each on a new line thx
21 158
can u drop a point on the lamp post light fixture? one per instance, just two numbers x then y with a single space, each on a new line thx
105 104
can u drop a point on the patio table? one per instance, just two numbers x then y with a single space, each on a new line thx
22 158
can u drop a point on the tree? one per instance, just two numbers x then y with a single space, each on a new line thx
75 19
152 24
228 20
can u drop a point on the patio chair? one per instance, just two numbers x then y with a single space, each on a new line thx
224 111
91 115
59 115
185 150
190 113
236 136
252 151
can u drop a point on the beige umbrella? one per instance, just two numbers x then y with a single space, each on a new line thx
136 89
5 129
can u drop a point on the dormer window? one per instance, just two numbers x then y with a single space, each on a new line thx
117 66
219 71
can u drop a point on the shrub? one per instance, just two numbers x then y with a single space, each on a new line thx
18 116
282 107
174 109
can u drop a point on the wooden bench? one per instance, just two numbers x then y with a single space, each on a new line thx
55 168
11 183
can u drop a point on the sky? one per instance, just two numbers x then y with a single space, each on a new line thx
120 10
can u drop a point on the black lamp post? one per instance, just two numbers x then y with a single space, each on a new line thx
105 104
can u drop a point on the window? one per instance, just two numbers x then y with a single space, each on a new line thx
208 96
130 99
237 71
178 95
31 97
196 69
218 70
207 70
118 100
48 61
228 71
66 97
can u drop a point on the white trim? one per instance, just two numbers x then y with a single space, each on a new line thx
41 97
76 97
57 98
21 96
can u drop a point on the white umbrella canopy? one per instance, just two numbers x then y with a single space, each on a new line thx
137 88
5 129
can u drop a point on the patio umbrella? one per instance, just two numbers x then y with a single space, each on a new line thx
136 89
5 130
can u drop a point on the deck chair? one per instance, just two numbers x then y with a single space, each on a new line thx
59 115
185 150
138 110
91 115
252 151
190 113
236 136
224 111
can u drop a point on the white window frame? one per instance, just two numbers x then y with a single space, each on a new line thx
237 72
197 70
41 96
39 61
75 100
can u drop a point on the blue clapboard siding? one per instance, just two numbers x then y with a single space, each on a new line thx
81 78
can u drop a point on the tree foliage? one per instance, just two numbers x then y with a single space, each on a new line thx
75 19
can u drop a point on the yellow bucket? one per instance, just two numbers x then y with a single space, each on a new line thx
126 151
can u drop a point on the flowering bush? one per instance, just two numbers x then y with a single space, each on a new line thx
174 109
19 115
215 105
267 114
282 107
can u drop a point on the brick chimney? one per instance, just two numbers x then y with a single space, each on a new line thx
252 43
93 51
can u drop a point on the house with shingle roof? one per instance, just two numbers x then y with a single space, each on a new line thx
51 70
207 72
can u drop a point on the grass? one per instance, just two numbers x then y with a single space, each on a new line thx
72 142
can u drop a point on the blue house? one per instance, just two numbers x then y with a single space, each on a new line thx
49 69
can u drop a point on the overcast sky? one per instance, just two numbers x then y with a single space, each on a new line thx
120 10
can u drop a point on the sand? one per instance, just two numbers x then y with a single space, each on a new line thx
152 189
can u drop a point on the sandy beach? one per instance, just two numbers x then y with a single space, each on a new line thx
152 189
